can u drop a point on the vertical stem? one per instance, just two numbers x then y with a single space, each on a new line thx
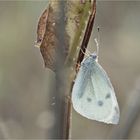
60 72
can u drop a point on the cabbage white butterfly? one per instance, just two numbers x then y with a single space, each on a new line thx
93 95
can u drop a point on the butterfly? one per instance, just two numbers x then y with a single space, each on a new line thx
93 95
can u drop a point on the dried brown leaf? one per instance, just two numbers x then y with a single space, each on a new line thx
48 34
42 27
47 47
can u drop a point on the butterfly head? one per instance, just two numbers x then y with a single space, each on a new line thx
94 56
90 60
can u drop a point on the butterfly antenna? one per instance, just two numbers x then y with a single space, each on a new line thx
97 45
97 41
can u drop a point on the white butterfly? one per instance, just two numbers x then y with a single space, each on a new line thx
93 95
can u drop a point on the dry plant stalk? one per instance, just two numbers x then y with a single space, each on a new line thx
64 27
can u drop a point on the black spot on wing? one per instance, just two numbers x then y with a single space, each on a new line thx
108 95
89 99
100 103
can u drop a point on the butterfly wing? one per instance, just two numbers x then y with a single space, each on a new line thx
93 95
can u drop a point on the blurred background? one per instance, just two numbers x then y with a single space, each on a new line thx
26 107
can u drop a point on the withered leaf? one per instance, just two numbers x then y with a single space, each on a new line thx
46 37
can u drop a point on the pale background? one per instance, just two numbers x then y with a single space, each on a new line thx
25 86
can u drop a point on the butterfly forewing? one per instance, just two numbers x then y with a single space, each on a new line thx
93 95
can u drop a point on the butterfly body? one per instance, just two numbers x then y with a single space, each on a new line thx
93 95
